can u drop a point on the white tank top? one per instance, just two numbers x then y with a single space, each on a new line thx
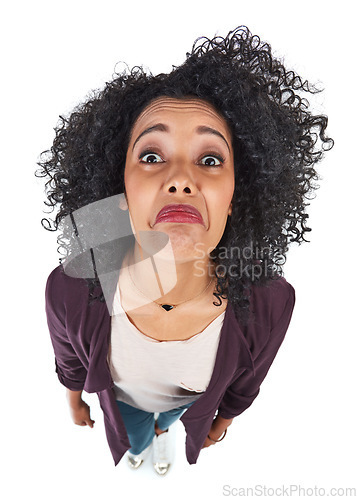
157 376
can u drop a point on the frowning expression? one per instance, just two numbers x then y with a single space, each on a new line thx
179 174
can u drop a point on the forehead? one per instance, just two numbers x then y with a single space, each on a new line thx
188 110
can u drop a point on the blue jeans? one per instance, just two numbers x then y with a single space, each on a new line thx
140 424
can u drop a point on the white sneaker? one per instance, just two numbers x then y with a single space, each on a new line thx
135 461
163 451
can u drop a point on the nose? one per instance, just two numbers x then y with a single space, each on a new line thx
180 180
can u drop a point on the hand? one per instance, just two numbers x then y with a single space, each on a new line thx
219 425
213 434
81 414
207 443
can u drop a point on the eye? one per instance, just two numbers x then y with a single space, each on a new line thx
211 161
150 157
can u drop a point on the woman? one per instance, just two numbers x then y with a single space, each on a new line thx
184 316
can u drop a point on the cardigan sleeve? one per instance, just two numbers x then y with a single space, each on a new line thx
70 370
242 392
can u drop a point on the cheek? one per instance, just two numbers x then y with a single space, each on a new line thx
229 191
140 198
134 188
221 201
225 193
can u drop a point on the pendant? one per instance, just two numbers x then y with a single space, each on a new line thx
167 307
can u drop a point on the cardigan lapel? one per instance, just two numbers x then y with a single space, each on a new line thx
232 352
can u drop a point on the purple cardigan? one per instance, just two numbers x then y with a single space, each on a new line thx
80 335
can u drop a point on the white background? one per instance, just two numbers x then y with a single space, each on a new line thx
301 429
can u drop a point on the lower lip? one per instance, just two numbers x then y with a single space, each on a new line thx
183 217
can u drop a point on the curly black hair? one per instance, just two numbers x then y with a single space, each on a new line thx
276 140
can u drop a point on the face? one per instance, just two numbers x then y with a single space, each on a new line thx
179 174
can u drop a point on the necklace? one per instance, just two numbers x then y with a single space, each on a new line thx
168 307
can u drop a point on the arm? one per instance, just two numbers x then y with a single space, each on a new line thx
242 392
70 370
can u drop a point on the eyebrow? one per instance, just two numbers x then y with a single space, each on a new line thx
203 129
161 127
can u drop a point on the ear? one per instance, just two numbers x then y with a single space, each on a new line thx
230 209
123 204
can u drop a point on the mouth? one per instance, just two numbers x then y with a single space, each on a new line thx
179 213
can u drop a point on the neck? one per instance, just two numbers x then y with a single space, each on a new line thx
163 279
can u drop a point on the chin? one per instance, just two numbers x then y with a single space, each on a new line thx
183 241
